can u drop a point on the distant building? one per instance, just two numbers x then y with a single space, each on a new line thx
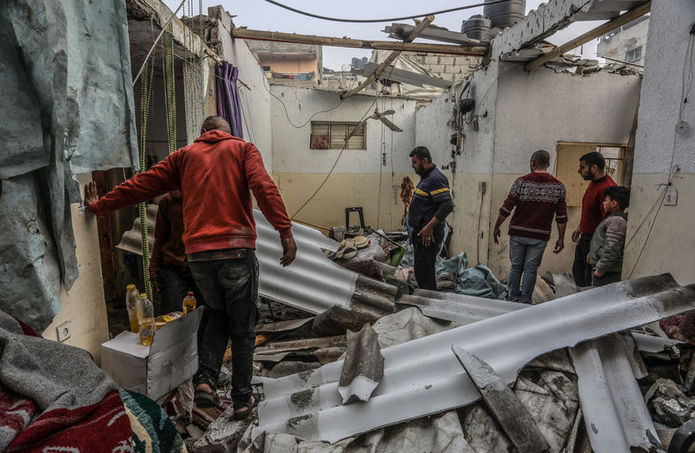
359 63
626 43
282 60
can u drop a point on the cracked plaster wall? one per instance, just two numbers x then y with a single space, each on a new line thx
671 241
519 112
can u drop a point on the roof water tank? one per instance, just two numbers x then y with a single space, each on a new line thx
504 14
476 27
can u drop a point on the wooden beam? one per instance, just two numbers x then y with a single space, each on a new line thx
398 31
259 35
592 34
419 28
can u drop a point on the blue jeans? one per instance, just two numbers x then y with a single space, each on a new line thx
526 255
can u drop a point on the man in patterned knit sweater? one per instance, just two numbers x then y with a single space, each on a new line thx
535 198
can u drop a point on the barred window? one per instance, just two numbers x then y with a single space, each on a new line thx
333 135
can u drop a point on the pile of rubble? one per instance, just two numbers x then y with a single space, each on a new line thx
454 372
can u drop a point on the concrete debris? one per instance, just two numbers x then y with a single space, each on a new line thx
547 388
363 366
668 404
503 404
222 435
409 385
337 321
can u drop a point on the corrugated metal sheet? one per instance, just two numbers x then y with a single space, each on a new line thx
458 307
312 282
466 309
422 377
615 414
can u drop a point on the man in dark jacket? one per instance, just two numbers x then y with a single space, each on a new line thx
169 272
215 174
431 204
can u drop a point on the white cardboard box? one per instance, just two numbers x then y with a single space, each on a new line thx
157 369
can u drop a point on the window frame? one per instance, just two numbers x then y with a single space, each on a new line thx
337 140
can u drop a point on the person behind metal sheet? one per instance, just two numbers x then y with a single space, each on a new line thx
608 240
592 167
216 175
170 275
430 205
535 198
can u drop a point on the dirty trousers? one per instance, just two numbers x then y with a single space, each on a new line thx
230 290
174 285
425 258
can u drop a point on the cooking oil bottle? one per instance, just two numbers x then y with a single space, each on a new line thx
146 320
188 303
131 304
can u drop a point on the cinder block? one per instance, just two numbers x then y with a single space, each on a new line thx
438 68
446 60
451 69
432 59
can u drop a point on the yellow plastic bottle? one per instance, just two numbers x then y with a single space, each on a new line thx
189 303
131 304
146 320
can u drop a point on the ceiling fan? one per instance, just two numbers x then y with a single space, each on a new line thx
381 116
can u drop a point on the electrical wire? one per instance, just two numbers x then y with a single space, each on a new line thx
689 54
382 162
299 126
368 21
337 159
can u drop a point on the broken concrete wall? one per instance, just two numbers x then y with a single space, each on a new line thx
435 125
662 146
360 178
255 100
537 109
516 113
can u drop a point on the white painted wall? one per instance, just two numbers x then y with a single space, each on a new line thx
536 109
663 236
518 112
255 102
291 151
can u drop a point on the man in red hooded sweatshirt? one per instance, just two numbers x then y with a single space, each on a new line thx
215 174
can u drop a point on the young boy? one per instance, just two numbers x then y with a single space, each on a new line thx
608 241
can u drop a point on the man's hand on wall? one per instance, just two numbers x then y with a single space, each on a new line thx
90 193
289 251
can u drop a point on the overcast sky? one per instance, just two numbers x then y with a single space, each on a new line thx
260 15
